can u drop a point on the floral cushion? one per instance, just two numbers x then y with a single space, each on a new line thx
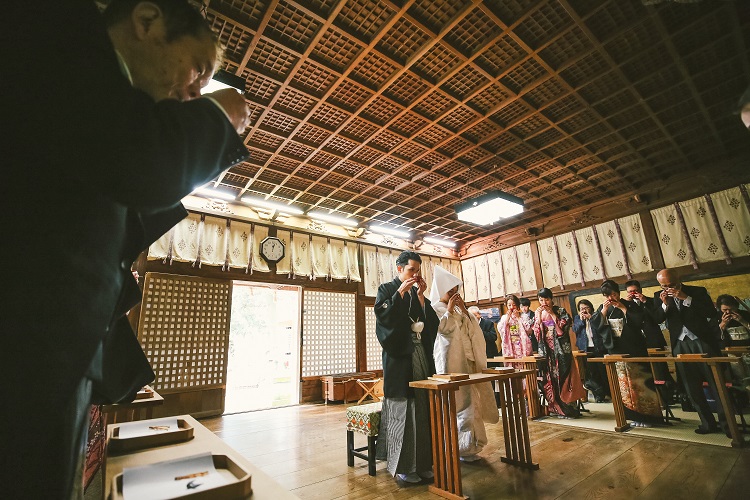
364 418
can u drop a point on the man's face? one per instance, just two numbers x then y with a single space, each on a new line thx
524 309
632 291
175 69
725 309
584 309
411 269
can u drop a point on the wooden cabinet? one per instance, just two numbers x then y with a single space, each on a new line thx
344 386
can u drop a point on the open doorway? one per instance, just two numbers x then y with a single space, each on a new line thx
263 360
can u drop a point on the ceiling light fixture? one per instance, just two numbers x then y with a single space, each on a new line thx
215 193
224 80
391 231
489 208
279 207
333 219
439 241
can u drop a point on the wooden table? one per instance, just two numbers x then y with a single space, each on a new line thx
714 363
532 388
127 412
264 487
444 427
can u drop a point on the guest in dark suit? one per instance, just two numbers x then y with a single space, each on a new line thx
651 331
590 341
97 159
406 326
688 311
489 331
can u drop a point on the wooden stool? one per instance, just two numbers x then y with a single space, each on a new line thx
373 388
364 419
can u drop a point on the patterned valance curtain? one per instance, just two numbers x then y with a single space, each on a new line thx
370 270
511 272
468 268
569 264
186 239
733 216
497 276
301 255
258 263
672 239
284 266
338 259
589 251
526 267
352 261
319 258
239 243
611 246
213 249
483 278
635 244
550 262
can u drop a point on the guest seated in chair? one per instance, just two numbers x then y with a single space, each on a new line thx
588 340
620 324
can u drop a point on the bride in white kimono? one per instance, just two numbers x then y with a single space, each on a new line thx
460 348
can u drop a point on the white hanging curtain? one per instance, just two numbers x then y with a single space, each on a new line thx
239 234
734 219
160 248
635 244
548 259
483 277
386 265
337 255
497 278
301 254
701 230
427 269
470 279
352 261
511 271
566 253
370 270
673 244
319 257
526 268
614 260
185 245
284 266
213 242
455 267
259 263
590 263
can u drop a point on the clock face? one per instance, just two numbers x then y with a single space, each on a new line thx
272 249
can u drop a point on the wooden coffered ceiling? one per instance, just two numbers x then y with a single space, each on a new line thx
395 111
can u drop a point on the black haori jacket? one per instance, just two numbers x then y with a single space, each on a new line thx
393 315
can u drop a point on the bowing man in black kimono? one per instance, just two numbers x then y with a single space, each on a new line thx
97 158
406 325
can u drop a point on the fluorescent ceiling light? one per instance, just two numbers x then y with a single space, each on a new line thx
279 207
489 208
438 241
224 80
215 193
333 219
392 231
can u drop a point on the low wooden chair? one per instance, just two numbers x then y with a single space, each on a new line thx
373 388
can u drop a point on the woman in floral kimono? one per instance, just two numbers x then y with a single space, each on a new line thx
515 334
620 325
561 380
460 348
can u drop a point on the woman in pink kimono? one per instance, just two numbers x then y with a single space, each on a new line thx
515 334
460 348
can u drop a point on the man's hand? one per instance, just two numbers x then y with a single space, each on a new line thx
678 293
235 107
406 285
421 285
664 296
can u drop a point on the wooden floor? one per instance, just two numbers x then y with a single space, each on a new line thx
304 449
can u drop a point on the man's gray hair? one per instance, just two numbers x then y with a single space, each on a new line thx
473 309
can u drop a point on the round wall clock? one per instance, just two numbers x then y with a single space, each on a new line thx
272 249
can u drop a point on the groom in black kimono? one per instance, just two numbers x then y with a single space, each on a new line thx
406 326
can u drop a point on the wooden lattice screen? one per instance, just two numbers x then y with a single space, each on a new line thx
328 335
374 350
184 331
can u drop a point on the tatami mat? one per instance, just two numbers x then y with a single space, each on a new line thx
601 417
